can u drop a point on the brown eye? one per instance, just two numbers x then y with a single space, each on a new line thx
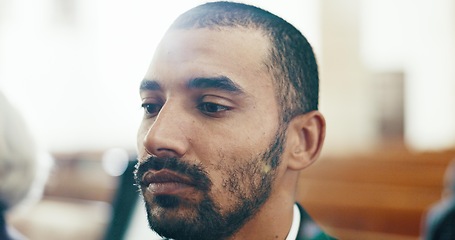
151 109
210 108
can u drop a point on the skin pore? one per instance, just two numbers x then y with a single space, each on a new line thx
215 161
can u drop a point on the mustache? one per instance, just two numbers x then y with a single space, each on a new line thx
194 172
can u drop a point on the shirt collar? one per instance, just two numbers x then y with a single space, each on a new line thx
292 235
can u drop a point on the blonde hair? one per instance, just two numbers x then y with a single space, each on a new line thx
18 156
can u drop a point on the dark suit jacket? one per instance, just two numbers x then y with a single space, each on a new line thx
441 221
309 229
3 231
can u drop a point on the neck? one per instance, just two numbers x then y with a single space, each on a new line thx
267 224
274 219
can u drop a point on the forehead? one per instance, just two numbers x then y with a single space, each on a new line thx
238 53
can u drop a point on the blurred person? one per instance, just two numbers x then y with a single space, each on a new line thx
439 222
22 168
230 119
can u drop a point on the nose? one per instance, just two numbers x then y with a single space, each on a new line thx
166 136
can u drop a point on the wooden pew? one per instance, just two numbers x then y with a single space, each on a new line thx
381 195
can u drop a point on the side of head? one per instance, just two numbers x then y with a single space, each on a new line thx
17 156
24 169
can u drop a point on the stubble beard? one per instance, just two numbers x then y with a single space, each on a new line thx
249 184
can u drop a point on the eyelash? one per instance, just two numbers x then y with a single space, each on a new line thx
207 108
147 112
212 109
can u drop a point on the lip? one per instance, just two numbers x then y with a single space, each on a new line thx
165 182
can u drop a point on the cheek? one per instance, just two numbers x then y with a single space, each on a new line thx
221 192
233 173
238 184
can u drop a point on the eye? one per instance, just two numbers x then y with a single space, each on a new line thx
210 108
151 109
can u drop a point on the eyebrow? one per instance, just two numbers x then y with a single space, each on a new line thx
221 83
149 85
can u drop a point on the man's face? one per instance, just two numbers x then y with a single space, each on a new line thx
210 140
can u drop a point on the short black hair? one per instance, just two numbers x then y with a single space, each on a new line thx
291 62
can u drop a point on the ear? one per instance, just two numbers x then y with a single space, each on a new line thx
305 137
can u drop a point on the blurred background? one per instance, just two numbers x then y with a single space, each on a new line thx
73 67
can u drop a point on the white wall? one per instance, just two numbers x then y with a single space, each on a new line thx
418 38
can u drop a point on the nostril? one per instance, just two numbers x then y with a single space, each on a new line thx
166 153
148 152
